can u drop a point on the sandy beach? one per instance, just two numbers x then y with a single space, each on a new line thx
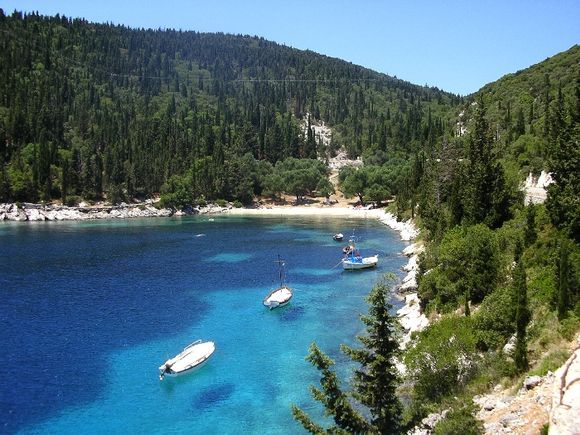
309 211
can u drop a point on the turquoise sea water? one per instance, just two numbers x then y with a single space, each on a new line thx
91 309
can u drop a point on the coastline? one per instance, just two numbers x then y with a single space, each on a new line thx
409 316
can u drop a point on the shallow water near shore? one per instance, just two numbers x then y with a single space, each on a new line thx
91 309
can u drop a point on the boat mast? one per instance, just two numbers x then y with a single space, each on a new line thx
280 262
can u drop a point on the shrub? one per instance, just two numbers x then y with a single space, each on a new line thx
443 358
467 262
494 321
238 204
460 420
550 363
569 326
73 200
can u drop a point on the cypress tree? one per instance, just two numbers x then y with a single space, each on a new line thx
530 234
522 313
563 280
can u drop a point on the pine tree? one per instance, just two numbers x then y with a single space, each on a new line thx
335 401
374 383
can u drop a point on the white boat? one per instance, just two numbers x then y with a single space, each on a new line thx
353 260
192 357
338 237
281 295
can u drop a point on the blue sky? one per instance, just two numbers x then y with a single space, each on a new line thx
458 46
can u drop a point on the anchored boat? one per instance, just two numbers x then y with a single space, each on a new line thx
192 357
353 260
282 295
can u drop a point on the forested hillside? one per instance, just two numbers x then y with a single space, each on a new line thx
94 110
523 107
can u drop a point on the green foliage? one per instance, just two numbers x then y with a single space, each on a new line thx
563 280
563 201
569 326
374 383
334 400
466 261
522 314
550 362
376 380
494 322
443 358
486 195
530 234
176 192
297 176
134 108
460 420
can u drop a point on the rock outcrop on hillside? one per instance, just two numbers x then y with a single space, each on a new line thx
535 188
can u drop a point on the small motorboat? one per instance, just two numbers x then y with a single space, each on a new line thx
281 295
353 260
192 357
338 237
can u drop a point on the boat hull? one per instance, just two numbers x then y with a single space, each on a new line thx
190 359
364 263
187 371
278 298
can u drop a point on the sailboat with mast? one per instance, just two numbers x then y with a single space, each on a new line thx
281 295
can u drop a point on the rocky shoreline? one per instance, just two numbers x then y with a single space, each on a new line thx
50 212
409 315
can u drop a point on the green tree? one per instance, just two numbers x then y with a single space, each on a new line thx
374 384
563 279
442 359
336 402
176 192
354 183
530 233
563 201
376 380
466 262
325 188
487 198
522 315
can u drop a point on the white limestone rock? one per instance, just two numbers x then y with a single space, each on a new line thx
510 346
34 214
565 413
412 264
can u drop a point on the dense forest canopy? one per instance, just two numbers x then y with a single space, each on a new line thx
97 110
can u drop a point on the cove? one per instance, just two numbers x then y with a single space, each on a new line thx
91 309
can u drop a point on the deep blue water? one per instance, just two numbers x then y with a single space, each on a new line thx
89 311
